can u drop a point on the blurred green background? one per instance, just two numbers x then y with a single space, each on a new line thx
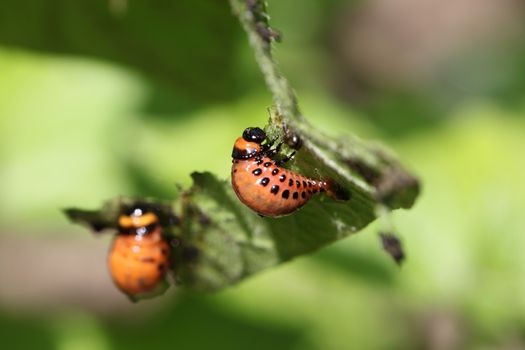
106 98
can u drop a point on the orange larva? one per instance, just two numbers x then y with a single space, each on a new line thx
264 186
140 255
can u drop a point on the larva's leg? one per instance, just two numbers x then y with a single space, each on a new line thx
280 162
270 153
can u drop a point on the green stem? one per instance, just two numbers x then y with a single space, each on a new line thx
283 95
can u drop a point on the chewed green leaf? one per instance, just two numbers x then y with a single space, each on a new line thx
367 170
97 220
232 242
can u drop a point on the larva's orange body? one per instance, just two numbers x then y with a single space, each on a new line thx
264 186
139 257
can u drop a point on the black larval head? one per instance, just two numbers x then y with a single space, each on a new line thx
256 135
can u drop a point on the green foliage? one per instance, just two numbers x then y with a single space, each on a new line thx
159 39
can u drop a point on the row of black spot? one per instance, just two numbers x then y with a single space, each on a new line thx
275 171
286 193
260 160
295 195
275 189
282 178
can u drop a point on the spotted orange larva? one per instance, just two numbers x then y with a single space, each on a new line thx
262 184
140 255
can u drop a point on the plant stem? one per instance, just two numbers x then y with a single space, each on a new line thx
252 19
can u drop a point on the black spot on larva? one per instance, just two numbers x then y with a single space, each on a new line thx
315 191
295 195
275 171
161 267
304 183
282 178
303 194
257 172
275 189
259 162
234 170
267 164
290 182
298 183
286 194
264 181
309 183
